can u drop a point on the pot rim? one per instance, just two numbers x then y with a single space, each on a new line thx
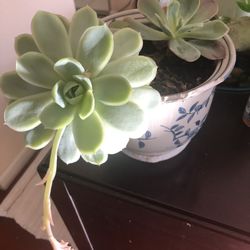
221 72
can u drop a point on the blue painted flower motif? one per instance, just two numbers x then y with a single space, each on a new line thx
182 135
146 137
194 110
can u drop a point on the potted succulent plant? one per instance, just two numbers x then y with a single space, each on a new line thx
74 87
194 54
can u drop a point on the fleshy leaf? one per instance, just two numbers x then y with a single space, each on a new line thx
240 33
68 67
173 15
95 48
84 81
111 89
188 9
147 32
114 140
212 50
207 10
36 69
97 159
81 21
87 105
128 118
50 35
184 50
88 133
138 70
123 46
23 114
57 94
245 6
150 8
73 92
67 151
25 43
211 30
146 98
55 117
15 87
64 21
39 137
188 28
118 24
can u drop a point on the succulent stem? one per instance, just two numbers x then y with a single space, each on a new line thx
50 175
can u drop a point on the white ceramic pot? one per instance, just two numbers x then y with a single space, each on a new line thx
180 116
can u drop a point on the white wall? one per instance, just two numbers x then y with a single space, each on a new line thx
15 17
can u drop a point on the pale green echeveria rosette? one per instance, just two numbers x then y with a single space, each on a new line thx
81 78
188 26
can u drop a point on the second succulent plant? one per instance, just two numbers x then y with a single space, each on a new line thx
186 25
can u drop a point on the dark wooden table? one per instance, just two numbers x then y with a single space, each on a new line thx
198 200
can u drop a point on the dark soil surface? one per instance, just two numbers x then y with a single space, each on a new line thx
174 74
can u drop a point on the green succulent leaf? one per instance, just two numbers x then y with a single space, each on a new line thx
165 27
84 81
68 151
39 137
115 140
68 67
212 30
245 6
123 46
15 87
87 105
207 10
112 89
173 15
240 33
81 21
150 8
50 35
184 50
25 43
88 133
95 48
146 98
97 159
73 92
55 117
147 32
118 24
23 114
212 50
188 29
64 21
36 69
188 9
57 94
128 118
138 70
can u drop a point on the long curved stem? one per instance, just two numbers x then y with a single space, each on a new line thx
50 175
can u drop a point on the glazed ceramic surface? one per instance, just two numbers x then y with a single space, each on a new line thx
180 116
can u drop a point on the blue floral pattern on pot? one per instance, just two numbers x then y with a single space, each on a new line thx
194 110
180 133
146 137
